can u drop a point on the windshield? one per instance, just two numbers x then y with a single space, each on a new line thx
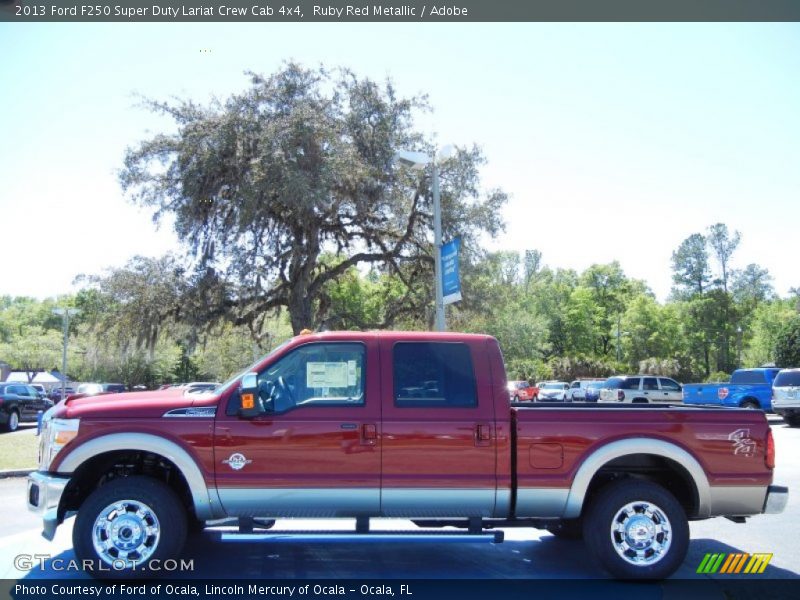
224 386
554 386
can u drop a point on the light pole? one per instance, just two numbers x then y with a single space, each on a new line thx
739 347
65 313
418 160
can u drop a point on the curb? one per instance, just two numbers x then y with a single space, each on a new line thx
15 473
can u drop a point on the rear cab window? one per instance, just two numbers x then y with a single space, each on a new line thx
749 377
433 375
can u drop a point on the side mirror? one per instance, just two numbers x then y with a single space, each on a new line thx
252 405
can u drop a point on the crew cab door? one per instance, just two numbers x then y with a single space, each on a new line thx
439 438
316 451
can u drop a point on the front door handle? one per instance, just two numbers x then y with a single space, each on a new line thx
483 434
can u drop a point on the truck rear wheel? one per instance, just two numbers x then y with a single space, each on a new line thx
126 525
637 530
792 420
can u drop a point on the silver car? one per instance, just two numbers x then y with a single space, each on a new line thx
786 396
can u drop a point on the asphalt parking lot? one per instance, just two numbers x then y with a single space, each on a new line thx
526 554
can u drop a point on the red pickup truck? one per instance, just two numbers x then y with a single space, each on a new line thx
386 424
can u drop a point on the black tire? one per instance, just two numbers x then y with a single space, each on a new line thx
194 526
13 421
622 502
752 404
516 398
792 420
162 504
568 529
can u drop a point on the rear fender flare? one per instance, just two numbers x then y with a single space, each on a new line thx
595 461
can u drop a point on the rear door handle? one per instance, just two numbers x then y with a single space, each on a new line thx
369 434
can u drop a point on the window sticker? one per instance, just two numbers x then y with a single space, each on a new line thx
351 373
326 374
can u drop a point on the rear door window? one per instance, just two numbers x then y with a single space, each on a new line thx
433 374
650 384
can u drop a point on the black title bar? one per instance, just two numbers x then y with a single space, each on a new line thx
190 11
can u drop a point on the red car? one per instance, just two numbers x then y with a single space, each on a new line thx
522 391
393 424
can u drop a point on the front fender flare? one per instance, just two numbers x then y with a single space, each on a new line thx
206 504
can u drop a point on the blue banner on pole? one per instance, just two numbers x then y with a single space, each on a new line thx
451 284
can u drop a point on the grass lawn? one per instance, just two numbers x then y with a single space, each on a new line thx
19 450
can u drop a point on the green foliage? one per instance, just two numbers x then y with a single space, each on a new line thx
768 319
787 345
718 377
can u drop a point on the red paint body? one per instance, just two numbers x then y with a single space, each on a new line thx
381 446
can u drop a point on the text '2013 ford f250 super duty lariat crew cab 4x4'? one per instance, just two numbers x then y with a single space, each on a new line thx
387 424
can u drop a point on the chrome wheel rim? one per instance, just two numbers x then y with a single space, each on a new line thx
126 533
641 533
13 421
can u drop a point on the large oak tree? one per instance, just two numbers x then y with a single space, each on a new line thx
267 185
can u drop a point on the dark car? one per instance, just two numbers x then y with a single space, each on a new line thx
56 395
20 402
592 393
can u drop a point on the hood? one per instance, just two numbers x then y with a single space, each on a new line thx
132 405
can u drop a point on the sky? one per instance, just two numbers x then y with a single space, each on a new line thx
614 141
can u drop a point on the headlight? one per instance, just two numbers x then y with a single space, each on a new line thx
56 433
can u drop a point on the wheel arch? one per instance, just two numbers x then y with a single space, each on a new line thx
604 456
202 498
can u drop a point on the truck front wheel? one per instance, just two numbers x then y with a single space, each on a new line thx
637 530
128 527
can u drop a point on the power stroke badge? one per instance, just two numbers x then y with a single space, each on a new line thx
237 461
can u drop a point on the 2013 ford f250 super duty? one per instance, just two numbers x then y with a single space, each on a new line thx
383 424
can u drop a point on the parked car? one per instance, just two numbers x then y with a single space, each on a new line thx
522 391
40 389
57 394
592 393
325 426
641 389
786 396
20 402
553 390
96 389
577 389
748 388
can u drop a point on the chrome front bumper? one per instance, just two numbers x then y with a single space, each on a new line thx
44 496
777 496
